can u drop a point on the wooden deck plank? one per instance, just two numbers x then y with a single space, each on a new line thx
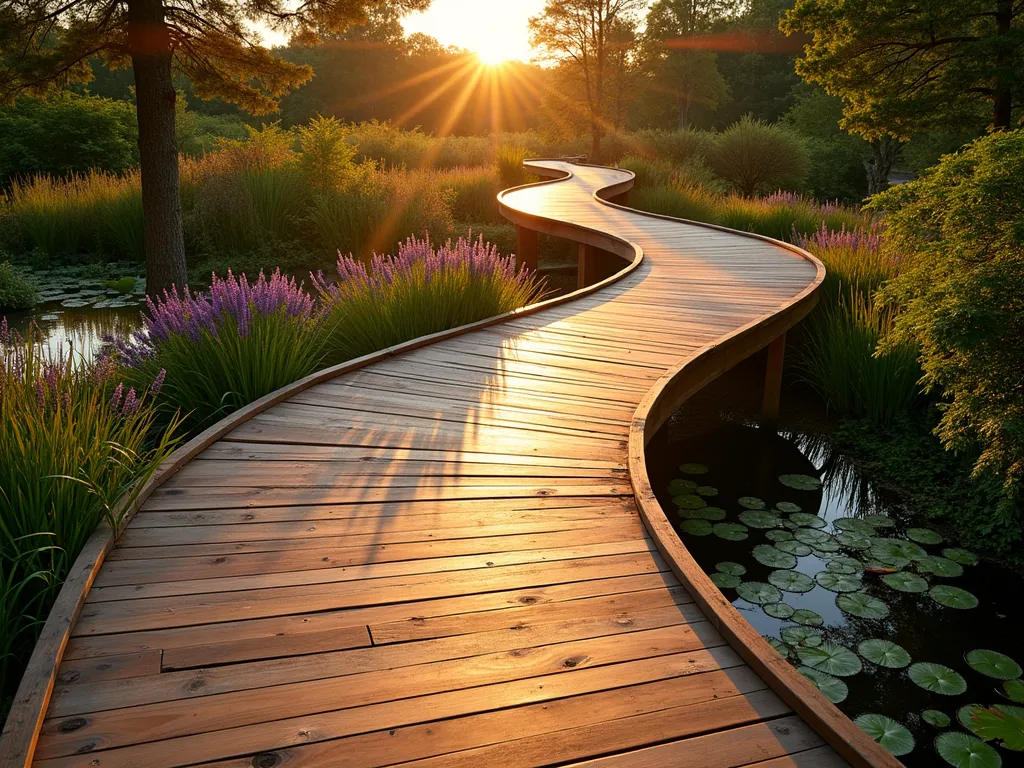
436 560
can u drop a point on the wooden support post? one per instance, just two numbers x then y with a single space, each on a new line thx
773 382
526 247
586 265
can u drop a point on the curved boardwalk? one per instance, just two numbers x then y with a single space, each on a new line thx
437 559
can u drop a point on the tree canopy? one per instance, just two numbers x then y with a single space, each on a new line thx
906 66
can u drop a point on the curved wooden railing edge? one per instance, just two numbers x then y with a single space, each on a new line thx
21 729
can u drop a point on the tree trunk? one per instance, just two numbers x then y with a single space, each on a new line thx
884 152
149 42
1002 98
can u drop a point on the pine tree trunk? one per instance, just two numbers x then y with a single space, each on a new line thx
884 152
150 45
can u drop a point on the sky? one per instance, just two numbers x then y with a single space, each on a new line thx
496 30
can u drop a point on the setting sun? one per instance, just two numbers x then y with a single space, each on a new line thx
495 32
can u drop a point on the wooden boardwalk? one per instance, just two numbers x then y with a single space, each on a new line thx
437 559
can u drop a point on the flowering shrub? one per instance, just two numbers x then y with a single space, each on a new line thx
227 347
73 442
420 291
853 258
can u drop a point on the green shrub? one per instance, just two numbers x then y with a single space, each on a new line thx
73 445
420 291
756 157
679 147
472 193
649 172
67 135
15 291
959 230
327 158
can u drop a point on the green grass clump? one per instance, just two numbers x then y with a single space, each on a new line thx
15 291
509 160
75 447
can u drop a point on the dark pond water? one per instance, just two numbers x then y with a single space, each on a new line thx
83 304
855 539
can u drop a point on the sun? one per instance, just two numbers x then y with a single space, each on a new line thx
493 57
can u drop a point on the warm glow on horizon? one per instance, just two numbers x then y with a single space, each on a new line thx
495 30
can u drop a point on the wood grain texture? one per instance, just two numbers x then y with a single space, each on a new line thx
434 555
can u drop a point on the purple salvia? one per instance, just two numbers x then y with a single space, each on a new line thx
131 403
40 394
115 400
158 382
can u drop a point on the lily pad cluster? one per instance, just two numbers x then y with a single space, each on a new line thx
863 557
110 286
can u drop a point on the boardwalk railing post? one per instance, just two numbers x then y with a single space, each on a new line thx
526 247
773 382
586 265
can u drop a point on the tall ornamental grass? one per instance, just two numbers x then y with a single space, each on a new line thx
420 291
75 446
226 347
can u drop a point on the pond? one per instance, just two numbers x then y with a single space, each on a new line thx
84 304
914 637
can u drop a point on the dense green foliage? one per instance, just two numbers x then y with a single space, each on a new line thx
756 157
67 135
73 443
959 230
15 291
903 66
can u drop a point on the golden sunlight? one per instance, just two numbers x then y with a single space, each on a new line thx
494 31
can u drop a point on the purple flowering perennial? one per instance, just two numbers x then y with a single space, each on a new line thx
855 239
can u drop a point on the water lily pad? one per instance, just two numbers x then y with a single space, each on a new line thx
895 551
776 535
839 582
940 566
924 536
681 486
794 548
696 527
780 647
953 597
862 605
788 507
730 531
817 540
75 303
807 617
800 482
801 636
935 718
835 690
778 610
962 750
905 582
693 469
830 658
879 521
937 678
707 490
884 653
791 581
993 664
707 513
689 501
758 592
733 569
807 520
773 557
844 564
1014 690
725 580
887 732
750 502
854 525
760 519
852 540
962 556
998 723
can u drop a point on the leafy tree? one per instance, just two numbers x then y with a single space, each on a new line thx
959 231
66 135
676 62
47 42
904 66
579 34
